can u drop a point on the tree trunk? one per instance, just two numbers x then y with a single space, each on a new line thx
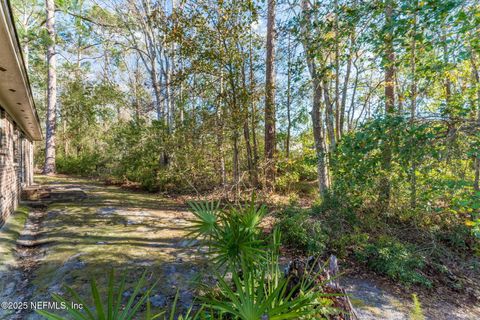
338 110
270 99
248 146
289 100
156 90
385 187
253 117
26 54
390 67
49 167
318 136
476 163
221 153
316 114
220 128
345 87
236 167
413 110
329 116
246 129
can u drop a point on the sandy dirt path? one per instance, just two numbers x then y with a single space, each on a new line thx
73 238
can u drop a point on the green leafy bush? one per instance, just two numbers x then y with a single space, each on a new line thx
145 154
394 259
302 232
86 164
287 181
468 204
349 242
293 172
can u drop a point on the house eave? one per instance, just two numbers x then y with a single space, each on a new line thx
15 93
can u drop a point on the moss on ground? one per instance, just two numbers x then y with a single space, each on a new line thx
114 228
9 234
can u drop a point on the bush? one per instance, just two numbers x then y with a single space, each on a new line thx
232 235
108 304
258 287
294 173
146 154
287 180
350 242
338 215
302 232
394 259
86 164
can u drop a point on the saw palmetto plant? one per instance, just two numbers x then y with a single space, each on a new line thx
232 235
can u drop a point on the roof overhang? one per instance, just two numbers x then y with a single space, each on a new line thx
15 92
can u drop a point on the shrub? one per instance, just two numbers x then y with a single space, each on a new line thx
295 172
108 304
260 290
350 242
337 214
110 307
263 292
302 232
287 180
86 164
232 235
150 156
394 259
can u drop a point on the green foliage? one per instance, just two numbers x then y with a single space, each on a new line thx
431 196
107 304
468 205
302 232
263 291
206 219
86 164
137 307
417 312
258 295
260 289
394 259
350 242
232 235
138 158
143 153
295 170
357 164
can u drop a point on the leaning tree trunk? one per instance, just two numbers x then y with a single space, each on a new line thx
49 166
270 99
